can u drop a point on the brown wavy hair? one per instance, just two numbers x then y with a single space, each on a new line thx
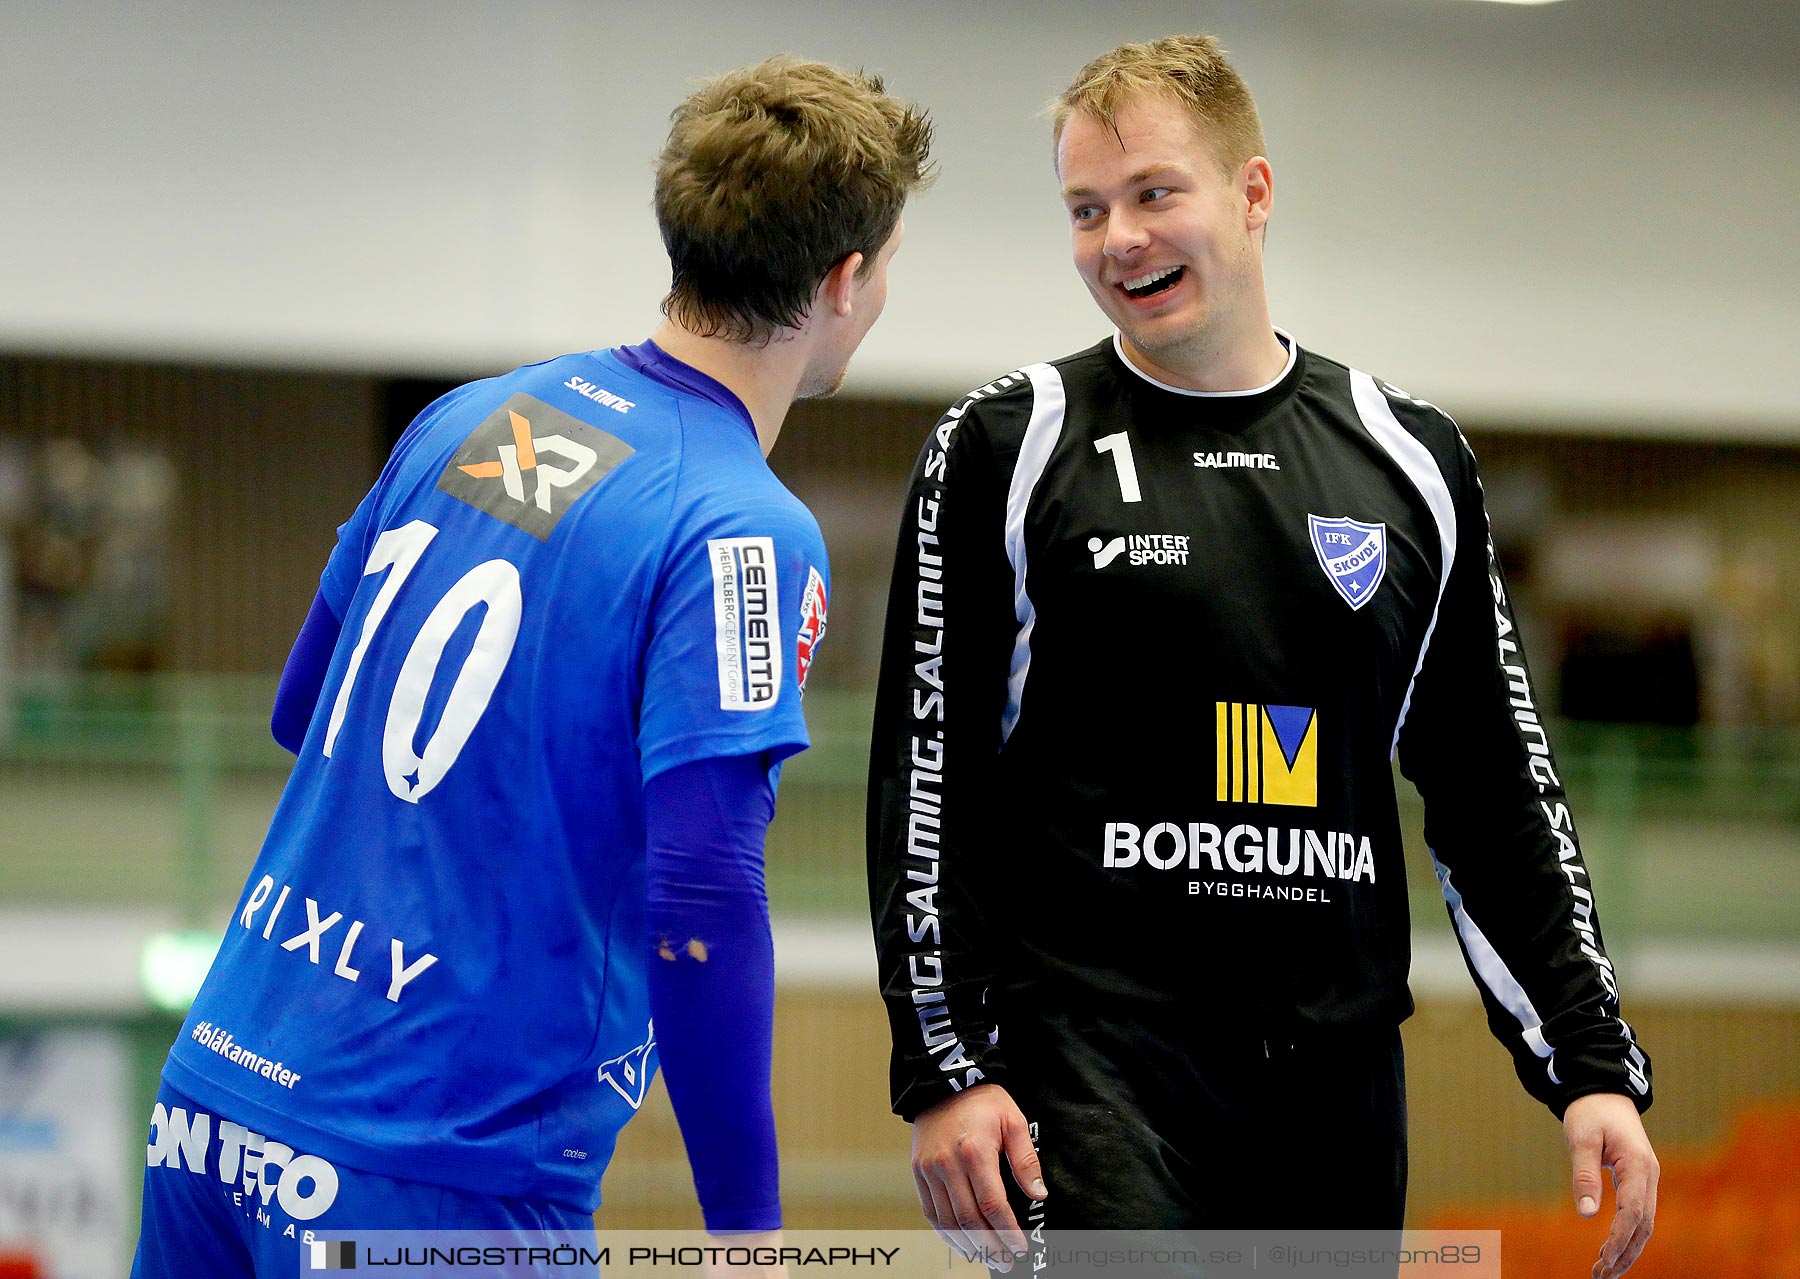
772 175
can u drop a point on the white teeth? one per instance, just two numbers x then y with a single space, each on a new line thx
1145 281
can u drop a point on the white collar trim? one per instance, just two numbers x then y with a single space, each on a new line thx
1287 340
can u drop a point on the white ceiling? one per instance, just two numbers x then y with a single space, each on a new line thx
1575 214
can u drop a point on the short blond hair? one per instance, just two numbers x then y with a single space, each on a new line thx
1191 70
772 175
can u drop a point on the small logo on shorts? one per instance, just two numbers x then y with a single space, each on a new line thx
304 1186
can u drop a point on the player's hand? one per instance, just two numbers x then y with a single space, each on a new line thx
761 1240
956 1168
1604 1131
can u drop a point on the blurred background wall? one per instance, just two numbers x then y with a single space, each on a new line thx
241 244
1573 211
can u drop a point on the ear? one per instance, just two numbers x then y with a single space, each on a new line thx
838 287
1256 183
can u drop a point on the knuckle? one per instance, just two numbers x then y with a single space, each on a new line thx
989 1205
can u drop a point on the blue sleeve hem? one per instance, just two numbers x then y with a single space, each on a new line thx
701 747
303 677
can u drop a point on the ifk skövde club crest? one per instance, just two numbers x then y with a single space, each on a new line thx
1353 555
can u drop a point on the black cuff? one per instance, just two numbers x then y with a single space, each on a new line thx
921 1094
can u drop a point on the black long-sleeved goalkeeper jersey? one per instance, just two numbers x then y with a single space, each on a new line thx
1149 653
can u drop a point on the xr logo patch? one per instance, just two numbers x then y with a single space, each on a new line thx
528 463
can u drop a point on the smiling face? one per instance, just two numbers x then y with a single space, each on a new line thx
1169 245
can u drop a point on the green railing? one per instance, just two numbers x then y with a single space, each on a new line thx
156 791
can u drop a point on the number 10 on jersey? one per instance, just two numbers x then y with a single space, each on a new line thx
411 775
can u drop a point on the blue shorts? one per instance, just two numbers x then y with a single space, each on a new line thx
224 1202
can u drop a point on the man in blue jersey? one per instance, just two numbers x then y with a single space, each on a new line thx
539 707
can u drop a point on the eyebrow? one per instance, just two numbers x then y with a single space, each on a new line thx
1142 175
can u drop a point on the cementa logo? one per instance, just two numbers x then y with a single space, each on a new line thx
1267 754
528 463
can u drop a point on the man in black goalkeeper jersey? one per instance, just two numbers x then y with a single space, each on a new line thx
1162 612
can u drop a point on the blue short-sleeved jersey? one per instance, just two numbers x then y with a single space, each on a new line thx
566 580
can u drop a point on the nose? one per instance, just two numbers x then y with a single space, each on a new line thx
1125 233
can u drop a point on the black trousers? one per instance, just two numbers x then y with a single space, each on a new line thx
1211 1131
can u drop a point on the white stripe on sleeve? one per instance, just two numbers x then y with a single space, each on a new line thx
1494 973
1421 468
1042 432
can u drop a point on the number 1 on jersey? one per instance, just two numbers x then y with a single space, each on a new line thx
1119 446
397 549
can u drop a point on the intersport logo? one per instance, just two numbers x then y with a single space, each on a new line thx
1139 549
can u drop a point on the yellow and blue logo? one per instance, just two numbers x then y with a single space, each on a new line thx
1267 754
